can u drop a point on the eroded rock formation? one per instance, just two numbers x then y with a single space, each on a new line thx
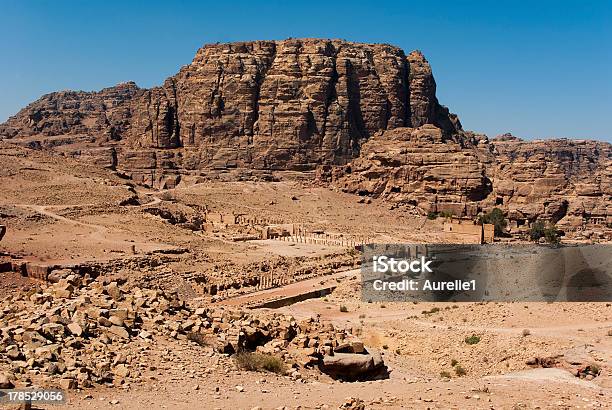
566 181
291 104
365 115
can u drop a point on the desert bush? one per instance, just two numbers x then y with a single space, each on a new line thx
431 311
551 234
445 375
594 369
343 309
454 362
536 231
472 340
495 217
540 230
259 362
526 332
432 215
460 371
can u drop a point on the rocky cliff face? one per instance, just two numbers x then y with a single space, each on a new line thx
564 181
105 114
561 180
365 115
291 104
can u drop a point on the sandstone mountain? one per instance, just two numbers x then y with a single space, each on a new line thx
365 116
289 104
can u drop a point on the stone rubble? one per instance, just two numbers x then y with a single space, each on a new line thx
81 331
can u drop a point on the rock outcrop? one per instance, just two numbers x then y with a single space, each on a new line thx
566 181
291 104
559 180
104 114
365 116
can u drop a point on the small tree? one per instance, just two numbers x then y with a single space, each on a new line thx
495 217
539 230
536 231
551 234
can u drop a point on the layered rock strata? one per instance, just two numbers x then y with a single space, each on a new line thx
287 105
365 116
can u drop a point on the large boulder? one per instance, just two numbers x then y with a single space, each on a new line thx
355 367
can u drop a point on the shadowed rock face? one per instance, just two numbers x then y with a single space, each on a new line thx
289 104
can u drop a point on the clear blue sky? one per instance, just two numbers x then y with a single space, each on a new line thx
533 68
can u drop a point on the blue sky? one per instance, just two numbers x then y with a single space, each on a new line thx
533 68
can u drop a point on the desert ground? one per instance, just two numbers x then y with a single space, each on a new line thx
112 253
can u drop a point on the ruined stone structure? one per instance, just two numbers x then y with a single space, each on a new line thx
467 232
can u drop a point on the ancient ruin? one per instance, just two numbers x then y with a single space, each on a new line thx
466 231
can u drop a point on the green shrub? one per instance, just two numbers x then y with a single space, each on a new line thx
259 362
551 234
472 340
432 215
431 311
536 231
495 217
539 230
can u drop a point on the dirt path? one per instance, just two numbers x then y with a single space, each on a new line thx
99 233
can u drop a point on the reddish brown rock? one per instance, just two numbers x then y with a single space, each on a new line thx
304 104
568 182
291 104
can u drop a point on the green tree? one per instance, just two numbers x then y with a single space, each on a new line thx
495 217
551 234
536 231
540 230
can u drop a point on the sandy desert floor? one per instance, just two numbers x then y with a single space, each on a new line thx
61 212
